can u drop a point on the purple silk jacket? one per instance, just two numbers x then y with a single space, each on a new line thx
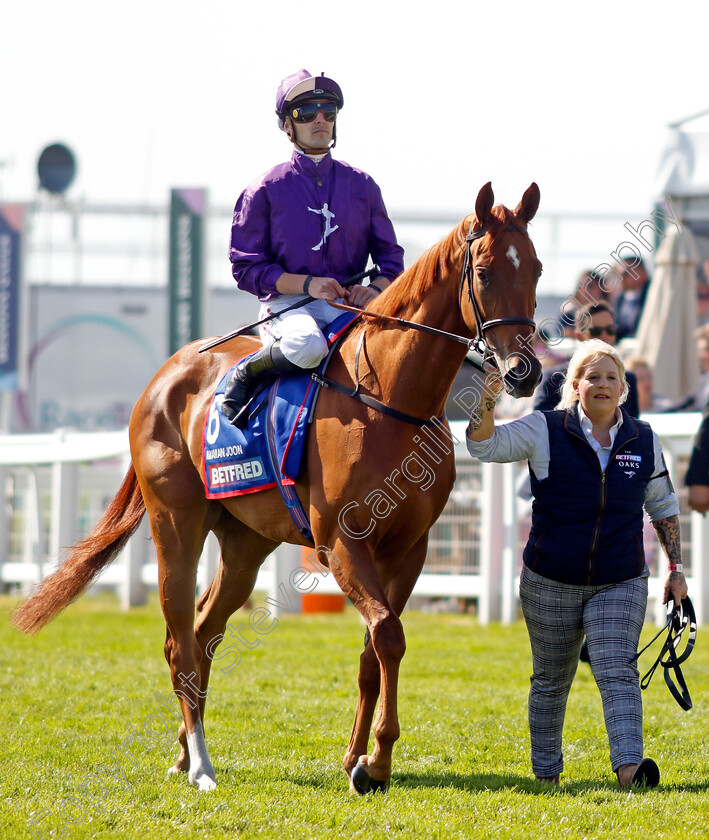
303 217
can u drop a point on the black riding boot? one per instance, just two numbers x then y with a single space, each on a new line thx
247 376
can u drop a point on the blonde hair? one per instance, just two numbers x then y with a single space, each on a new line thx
586 354
635 362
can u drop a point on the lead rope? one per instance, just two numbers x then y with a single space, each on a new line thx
678 620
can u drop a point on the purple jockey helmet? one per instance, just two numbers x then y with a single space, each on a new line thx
302 86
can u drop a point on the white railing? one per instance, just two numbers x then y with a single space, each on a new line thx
53 488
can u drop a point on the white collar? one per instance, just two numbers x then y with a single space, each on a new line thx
587 425
316 158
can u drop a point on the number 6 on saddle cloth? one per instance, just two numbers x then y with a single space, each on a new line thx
678 620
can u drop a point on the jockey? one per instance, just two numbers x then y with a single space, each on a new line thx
301 230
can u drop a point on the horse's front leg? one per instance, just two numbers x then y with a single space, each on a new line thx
373 771
359 578
369 677
385 646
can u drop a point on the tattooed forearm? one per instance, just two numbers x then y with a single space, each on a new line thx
482 415
676 576
476 419
667 531
482 419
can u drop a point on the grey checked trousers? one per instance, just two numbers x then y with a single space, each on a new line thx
557 616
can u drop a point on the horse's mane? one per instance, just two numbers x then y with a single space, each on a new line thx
414 283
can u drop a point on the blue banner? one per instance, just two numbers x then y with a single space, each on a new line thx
11 216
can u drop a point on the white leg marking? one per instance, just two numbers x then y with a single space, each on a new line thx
202 775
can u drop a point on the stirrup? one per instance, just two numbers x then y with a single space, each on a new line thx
241 418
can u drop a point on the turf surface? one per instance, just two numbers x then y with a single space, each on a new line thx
277 726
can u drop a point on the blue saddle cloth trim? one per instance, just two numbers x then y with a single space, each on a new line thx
236 461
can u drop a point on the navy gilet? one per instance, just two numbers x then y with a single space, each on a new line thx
587 524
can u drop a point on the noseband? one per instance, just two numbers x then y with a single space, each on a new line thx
479 342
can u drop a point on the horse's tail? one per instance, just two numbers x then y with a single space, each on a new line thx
88 557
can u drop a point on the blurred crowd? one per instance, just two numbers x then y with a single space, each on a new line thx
594 310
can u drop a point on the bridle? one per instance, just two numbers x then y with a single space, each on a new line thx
479 343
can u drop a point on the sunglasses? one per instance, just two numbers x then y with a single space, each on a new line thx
596 332
307 112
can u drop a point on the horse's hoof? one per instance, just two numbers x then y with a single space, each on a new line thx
203 782
363 783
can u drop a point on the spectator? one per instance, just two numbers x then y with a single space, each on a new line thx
567 318
702 300
631 300
699 398
648 402
589 289
697 478
596 321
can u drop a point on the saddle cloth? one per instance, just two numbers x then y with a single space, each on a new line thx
268 453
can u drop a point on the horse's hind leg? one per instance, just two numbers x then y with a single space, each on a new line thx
242 553
179 532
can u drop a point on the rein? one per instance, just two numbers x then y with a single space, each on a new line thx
678 619
365 398
478 343
470 343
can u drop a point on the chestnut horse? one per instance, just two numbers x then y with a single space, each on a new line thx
480 281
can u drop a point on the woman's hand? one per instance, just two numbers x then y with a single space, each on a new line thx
675 588
667 531
699 498
482 419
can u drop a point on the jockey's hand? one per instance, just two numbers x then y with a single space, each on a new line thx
699 497
360 296
325 288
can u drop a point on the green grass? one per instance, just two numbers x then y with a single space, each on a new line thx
278 725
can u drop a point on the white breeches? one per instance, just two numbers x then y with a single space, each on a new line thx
300 331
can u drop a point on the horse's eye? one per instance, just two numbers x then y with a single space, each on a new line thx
483 274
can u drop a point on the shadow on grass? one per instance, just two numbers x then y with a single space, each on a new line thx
525 784
473 782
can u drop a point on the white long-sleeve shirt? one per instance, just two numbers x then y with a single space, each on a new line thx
528 438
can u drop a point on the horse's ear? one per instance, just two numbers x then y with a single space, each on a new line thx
527 208
483 204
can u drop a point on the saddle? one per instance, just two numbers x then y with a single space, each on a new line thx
269 451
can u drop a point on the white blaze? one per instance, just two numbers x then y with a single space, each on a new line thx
513 256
